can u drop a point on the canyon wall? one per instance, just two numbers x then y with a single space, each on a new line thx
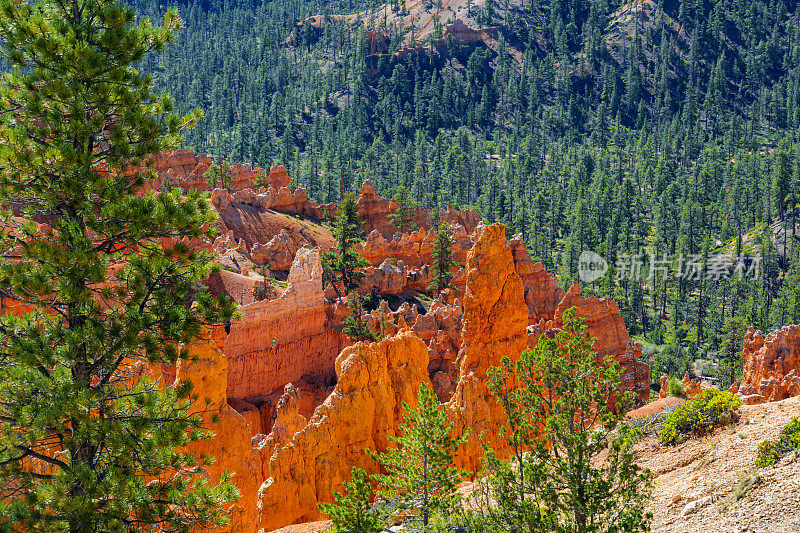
283 340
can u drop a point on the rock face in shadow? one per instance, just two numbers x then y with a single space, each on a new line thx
771 365
280 341
494 326
363 411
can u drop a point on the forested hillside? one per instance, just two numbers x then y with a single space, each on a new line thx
658 135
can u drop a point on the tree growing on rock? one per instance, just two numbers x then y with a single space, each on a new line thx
403 217
353 512
353 325
730 350
341 267
420 476
443 260
89 440
572 468
218 175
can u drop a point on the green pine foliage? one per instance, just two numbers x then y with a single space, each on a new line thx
218 175
353 512
420 476
730 351
571 466
443 262
341 267
353 325
86 444
403 217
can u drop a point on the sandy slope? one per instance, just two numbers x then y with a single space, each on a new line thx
695 482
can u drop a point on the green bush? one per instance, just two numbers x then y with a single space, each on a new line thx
675 388
770 452
711 408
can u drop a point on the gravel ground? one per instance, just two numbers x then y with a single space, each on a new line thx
711 483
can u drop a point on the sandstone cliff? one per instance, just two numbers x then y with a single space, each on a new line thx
208 373
364 410
283 340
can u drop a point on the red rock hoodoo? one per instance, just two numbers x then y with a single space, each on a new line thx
494 326
771 365
364 410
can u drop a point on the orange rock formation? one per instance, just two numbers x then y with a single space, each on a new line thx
364 410
185 169
494 326
771 365
542 293
208 373
279 341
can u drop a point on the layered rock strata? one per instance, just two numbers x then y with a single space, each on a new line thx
282 340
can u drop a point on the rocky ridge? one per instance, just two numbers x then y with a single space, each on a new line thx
296 405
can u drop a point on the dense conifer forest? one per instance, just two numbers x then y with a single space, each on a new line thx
661 136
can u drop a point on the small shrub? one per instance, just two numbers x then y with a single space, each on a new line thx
770 452
675 388
711 408
742 488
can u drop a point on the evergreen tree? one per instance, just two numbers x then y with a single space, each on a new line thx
419 472
218 175
572 466
403 217
85 445
730 351
341 267
442 259
353 512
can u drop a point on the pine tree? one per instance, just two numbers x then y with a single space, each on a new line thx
419 472
352 512
442 260
84 444
730 351
572 467
403 217
341 267
218 175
